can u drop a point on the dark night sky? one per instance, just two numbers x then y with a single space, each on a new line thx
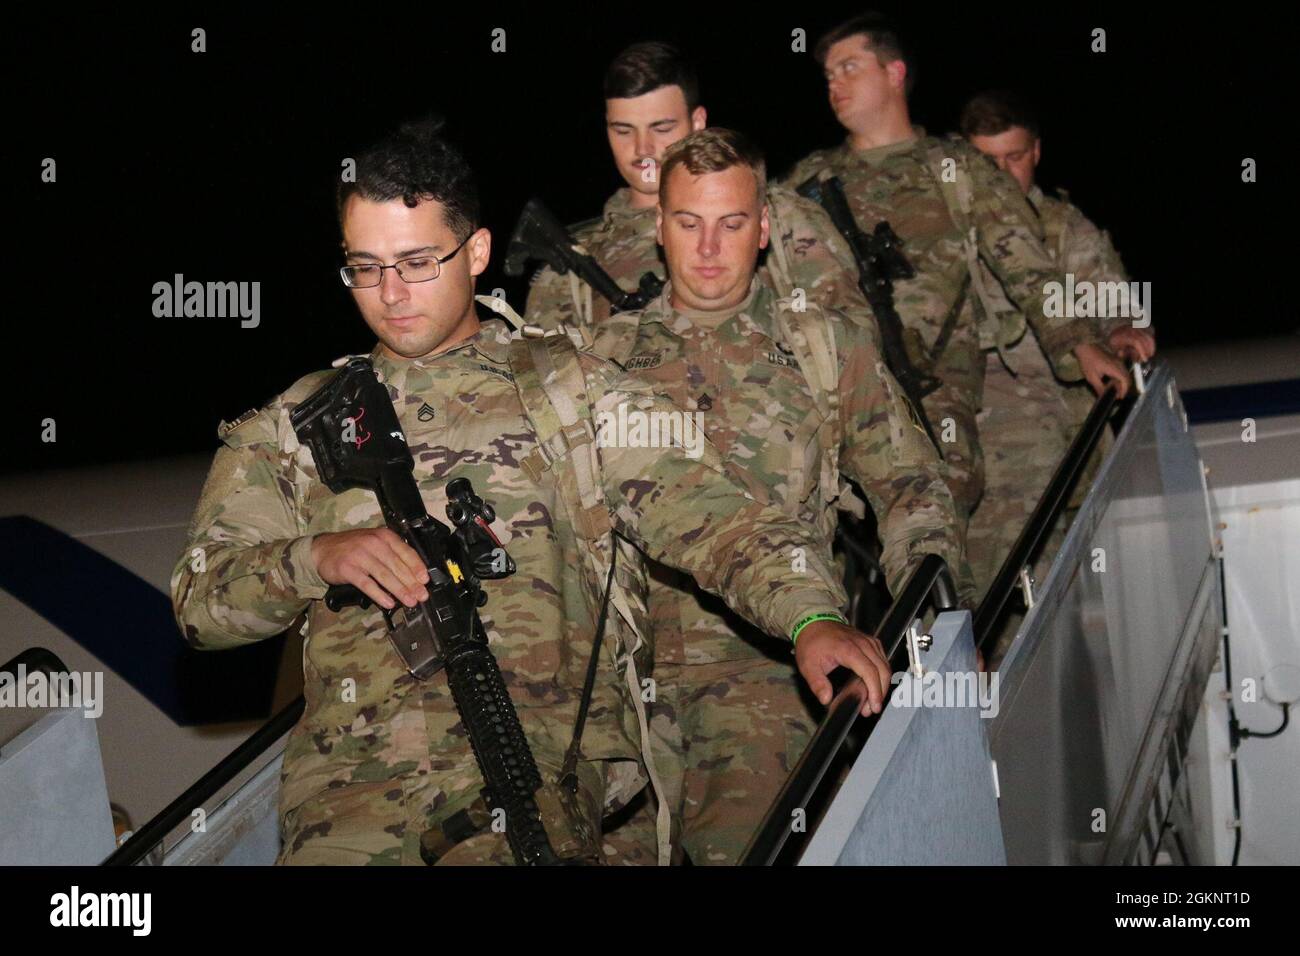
221 166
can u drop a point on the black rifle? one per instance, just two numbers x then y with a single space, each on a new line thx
880 261
539 236
355 438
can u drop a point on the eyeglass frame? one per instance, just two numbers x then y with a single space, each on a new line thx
438 259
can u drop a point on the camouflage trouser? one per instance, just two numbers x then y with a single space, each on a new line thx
951 410
1026 426
380 823
725 737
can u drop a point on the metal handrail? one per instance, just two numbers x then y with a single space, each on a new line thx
142 842
931 578
35 659
1045 514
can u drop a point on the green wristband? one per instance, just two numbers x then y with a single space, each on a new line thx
794 635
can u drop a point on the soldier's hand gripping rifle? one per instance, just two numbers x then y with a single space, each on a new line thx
355 438
880 261
539 236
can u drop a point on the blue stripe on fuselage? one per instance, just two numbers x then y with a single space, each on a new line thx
127 623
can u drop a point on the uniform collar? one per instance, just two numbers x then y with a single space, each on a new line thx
873 157
663 311
620 205
491 341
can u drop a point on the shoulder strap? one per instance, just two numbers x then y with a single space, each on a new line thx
812 339
960 200
549 379
810 335
551 385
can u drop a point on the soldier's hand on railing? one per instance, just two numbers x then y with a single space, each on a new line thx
825 645
1101 368
374 560
1132 345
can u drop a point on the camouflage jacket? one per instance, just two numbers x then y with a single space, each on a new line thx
813 256
1080 249
901 183
741 374
247 572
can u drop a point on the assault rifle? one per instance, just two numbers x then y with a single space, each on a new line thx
356 440
539 236
880 261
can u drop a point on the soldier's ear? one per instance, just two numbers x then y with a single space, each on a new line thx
1038 151
765 228
699 119
896 70
659 224
479 248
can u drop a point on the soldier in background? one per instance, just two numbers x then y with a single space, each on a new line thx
795 399
1028 420
951 207
652 100
378 770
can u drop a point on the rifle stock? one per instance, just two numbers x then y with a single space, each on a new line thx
539 236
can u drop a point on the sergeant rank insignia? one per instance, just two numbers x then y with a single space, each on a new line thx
426 413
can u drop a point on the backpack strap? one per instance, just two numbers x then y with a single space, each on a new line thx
552 387
959 198
810 335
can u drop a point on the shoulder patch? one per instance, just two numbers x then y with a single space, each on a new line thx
225 428
254 427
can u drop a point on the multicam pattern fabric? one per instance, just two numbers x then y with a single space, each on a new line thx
374 739
904 184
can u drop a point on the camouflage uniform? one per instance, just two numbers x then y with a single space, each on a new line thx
729 708
1029 419
379 758
950 204
715 696
623 241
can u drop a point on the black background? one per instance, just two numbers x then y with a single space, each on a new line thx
221 166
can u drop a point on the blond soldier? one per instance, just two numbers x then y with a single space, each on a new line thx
796 397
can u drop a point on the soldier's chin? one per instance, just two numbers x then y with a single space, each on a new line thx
639 185
709 290
411 345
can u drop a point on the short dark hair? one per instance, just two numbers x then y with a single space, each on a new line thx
714 150
417 162
646 66
882 38
996 111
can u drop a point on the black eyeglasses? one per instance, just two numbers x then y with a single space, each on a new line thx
414 269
